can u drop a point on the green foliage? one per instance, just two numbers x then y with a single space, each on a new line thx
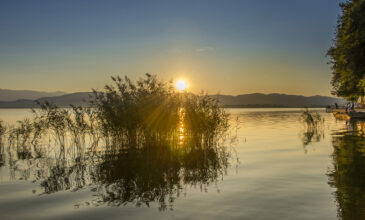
348 52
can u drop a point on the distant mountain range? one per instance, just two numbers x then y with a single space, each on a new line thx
8 95
79 98
248 100
277 100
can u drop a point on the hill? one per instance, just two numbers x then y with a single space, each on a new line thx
79 98
247 100
276 100
7 95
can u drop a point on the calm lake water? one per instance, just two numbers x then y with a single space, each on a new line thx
277 170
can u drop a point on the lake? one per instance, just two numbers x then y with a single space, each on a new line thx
276 169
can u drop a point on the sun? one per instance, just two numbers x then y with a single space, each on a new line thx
180 85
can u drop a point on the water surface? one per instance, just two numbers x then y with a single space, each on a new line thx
276 170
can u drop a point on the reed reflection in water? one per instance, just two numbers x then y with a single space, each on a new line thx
313 128
157 172
137 143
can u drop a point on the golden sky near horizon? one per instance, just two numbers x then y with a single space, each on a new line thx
217 47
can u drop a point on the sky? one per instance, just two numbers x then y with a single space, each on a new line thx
227 47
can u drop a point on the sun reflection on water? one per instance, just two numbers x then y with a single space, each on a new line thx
181 129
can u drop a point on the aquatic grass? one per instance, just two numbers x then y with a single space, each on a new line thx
23 133
134 113
314 127
2 144
145 140
129 114
312 119
2 128
77 126
204 119
93 127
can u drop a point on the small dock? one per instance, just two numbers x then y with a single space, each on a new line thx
342 114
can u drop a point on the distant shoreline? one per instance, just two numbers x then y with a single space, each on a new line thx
225 106
269 106
255 100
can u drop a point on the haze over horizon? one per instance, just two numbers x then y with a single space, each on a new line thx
232 48
224 94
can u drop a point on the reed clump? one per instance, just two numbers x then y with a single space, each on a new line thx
204 119
314 127
2 128
128 115
136 142
148 110
2 133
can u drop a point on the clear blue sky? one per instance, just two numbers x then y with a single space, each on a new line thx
231 47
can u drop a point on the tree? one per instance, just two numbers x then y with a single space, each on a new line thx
348 52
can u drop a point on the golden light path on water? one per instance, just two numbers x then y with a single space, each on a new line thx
181 126
181 86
